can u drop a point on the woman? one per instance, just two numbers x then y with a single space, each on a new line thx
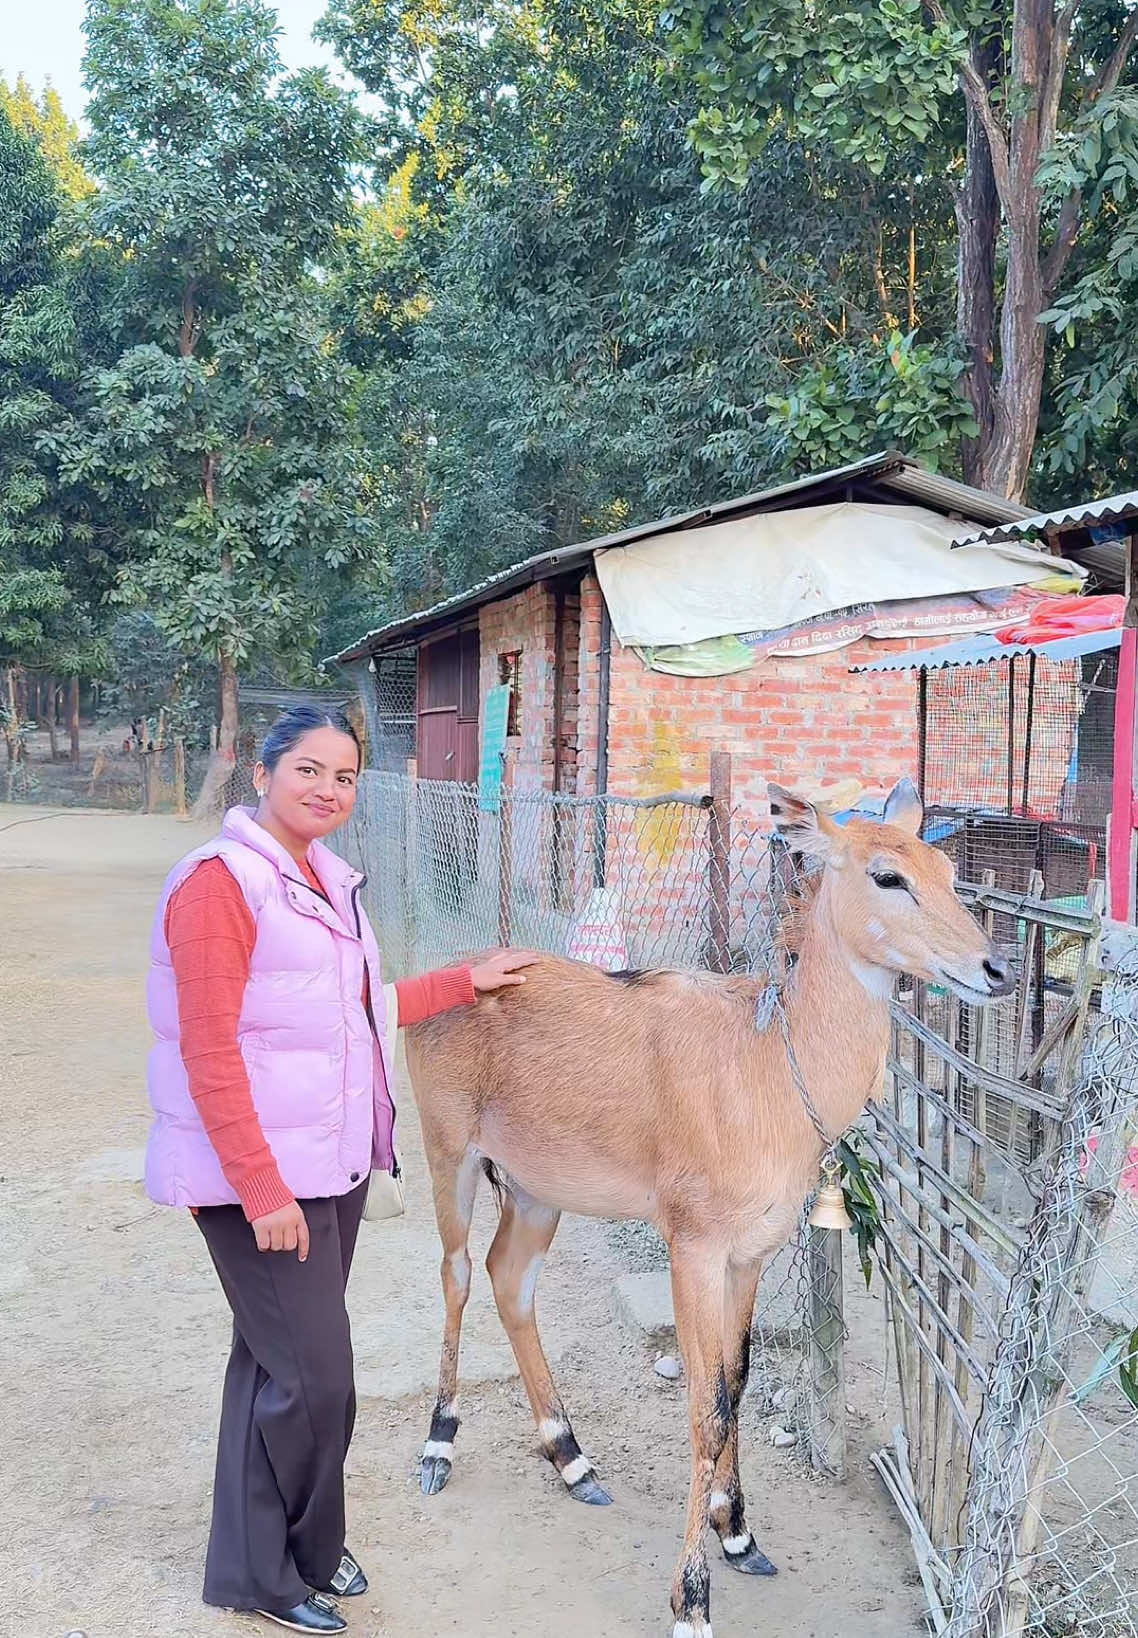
269 1079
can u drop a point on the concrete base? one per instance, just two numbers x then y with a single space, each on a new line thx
644 1303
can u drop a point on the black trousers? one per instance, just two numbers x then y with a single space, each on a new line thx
287 1409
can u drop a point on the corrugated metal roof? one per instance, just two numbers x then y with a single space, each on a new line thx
892 471
948 496
1114 509
983 650
284 699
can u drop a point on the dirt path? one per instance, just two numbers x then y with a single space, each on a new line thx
114 1338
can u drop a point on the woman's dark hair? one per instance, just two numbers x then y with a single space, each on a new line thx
291 726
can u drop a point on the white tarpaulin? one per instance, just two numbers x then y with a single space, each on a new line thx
778 568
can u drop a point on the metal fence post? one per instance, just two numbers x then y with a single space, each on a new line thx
827 1352
506 852
719 863
410 866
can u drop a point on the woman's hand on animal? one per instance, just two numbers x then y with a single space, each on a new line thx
501 970
283 1230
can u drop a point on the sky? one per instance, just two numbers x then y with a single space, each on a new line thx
43 39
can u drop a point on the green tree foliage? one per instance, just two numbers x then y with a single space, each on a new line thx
150 674
44 120
560 331
48 582
1009 106
1091 422
223 409
588 263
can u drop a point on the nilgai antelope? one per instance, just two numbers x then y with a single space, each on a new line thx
670 1096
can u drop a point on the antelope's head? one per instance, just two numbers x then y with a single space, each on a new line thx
889 898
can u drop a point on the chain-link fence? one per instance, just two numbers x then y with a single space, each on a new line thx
622 882
1007 1175
1003 1161
1048 1529
135 767
675 881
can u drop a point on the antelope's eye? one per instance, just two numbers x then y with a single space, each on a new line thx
889 878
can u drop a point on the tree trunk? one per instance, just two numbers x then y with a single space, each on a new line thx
16 716
180 776
11 719
222 762
48 706
978 226
223 759
73 716
1038 63
1023 350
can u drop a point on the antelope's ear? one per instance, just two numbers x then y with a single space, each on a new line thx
904 808
802 825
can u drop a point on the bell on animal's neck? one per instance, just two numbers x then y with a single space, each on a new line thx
829 1209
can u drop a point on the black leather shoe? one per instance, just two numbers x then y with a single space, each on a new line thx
349 1580
316 1614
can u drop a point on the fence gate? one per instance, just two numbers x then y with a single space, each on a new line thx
1002 1145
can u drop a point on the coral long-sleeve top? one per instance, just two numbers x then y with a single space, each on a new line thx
210 933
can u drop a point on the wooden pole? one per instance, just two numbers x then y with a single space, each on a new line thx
719 862
180 776
153 781
827 1352
73 716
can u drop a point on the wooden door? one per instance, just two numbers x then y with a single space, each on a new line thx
438 709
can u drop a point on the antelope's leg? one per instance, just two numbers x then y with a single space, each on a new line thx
524 1235
728 1516
698 1285
455 1186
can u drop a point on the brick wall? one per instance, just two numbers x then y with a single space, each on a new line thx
806 721
524 624
588 693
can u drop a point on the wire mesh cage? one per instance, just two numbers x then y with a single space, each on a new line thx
388 689
1016 764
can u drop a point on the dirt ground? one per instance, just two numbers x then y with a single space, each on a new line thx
114 1339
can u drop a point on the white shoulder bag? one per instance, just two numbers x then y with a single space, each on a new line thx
385 1196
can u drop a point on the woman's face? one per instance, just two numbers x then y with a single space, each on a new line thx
312 789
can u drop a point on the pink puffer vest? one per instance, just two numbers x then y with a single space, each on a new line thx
318 1073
